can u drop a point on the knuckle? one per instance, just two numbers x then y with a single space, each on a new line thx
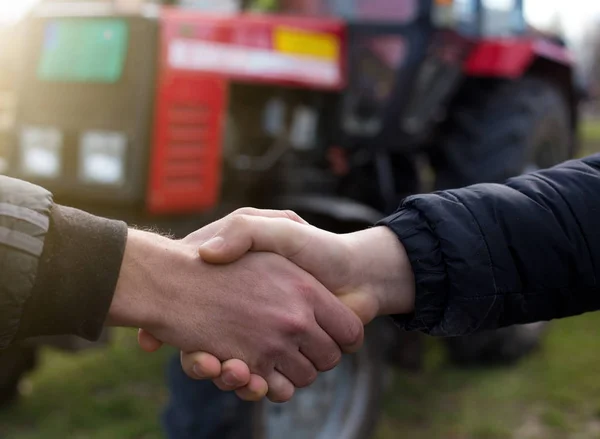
296 324
292 215
270 354
243 211
237 222
305 291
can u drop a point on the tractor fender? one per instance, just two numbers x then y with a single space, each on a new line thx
513 58
510 59
341 210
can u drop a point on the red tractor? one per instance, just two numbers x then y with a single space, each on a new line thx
328 107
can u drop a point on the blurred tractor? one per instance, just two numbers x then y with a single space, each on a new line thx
334 108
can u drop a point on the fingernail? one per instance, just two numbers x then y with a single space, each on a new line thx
213 243
197 371
230 379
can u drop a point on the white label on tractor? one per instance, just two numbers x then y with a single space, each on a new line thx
186 54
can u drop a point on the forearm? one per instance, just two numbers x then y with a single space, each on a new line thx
139 297
495 255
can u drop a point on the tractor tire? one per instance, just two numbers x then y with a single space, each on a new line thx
497 131
502 347
15 362
500 130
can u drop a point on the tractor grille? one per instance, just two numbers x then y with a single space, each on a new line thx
187 145
186 158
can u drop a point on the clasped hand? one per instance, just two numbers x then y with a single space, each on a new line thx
285 299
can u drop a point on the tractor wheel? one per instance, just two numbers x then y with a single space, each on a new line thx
496 348
497 131
500 130
14 363
343 403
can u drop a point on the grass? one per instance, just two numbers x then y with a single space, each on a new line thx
117 393
100 394
589 132
552 394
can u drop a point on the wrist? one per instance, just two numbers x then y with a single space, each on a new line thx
137 299
385 271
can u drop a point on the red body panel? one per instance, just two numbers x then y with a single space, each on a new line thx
510 58
199 55
185 169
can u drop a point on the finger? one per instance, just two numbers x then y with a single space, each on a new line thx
321 350
298 369
201 365
361 304
148 342
209 231
235 374
242 234
280 388
255 391
325 255
339 321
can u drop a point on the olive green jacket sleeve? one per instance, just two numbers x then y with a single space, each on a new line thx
58 266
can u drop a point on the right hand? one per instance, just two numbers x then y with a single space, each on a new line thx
368 270
262 309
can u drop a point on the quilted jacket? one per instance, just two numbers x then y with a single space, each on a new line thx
494 255
58 266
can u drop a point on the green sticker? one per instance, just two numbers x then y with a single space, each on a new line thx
84 50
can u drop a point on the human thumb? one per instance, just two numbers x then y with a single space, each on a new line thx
252 233
361 304
148 342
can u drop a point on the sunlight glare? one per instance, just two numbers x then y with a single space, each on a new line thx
12 11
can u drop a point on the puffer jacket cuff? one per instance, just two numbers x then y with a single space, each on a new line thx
423 249
456 290
77 276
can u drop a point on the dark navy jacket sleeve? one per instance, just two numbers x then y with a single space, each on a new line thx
491 255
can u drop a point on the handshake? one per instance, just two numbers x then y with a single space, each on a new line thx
260 301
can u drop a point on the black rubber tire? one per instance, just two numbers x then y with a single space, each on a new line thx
14 363
498 130
496 348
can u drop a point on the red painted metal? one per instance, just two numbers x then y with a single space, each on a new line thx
510 58
185 168
191 99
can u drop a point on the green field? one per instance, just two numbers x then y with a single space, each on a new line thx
118 392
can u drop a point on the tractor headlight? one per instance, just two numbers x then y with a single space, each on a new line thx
102 157
41 152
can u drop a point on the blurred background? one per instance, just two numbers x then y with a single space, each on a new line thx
173 113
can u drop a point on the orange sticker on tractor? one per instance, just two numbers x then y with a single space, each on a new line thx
301 42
